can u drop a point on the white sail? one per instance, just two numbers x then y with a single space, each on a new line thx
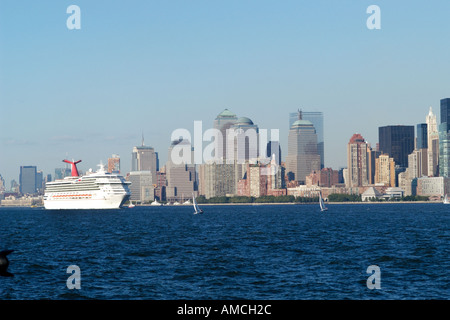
196 207
322 204
446 200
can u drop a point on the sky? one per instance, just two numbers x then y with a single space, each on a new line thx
150 67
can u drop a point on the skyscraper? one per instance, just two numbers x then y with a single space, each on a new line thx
432 144
398 142
181 177
242 141
357 162
422 136
144 158
303 157
141 187
316 119
273 148
223 122
444 139
385 170
27 179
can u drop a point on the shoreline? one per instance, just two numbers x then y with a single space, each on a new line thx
288 203
265 204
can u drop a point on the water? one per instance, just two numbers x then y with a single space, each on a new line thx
287 252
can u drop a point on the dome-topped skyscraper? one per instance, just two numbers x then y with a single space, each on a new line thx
243 140
223 121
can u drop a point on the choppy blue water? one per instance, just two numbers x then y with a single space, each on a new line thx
287 252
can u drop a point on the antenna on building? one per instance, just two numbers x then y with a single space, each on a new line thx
142 138
299 111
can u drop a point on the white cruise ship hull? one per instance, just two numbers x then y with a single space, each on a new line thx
113 202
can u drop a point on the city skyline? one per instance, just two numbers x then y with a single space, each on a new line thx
154 67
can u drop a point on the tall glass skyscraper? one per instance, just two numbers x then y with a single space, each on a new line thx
444 139
397 142
316 119
422 136
28 179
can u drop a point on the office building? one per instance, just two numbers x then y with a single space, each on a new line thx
242 142
398 142
274 150
432 144
316 119
385 170
223 122
433 186
181 177
303 157
219 179
357 162
28 180
144 158
444 139
142 189
422 136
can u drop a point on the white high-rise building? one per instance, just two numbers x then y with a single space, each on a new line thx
433 143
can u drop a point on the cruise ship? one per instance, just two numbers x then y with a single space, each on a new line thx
96 190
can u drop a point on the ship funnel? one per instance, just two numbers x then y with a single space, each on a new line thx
74 167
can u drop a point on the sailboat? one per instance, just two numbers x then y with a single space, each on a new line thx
196 207
322 204
446 201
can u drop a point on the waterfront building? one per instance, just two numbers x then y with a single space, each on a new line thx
432 144
28 180
397 142
433 186
371 194
357 162
444 139
326 178
303 157
142 189
261 180
219 179
316 119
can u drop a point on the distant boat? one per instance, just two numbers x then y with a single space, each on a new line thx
131 205
446 201
196 207
322 204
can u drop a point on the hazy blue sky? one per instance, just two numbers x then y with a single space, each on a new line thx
154 66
